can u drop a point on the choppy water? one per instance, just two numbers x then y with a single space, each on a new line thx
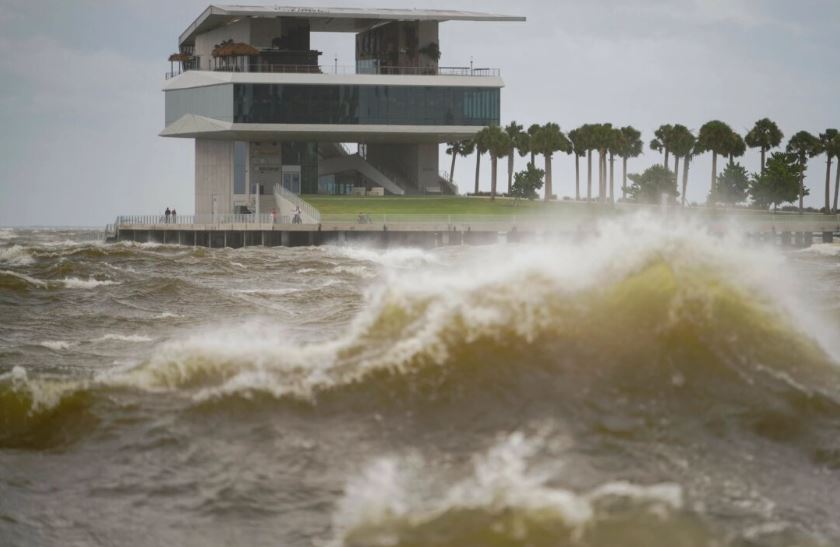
652 386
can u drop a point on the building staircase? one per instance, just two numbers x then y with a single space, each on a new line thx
336 158
289 202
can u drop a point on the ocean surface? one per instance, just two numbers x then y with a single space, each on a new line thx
652 385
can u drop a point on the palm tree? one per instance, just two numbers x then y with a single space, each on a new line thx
602 136
576 137
616 145
662 142
682 143
458 148
737 147
481 142
585 135
514 132
695 151
803 145
632 146
532 131
548 140
715 137
499 145
765 135
835 148
826 145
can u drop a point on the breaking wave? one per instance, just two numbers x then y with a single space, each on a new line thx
18 281
823 249
90 283
56 345
506 499
665 318
16 255
41 413
124 338
671 304
402 258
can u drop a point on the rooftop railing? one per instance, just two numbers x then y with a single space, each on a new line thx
343 70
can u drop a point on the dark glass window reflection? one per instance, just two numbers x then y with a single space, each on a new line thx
365 105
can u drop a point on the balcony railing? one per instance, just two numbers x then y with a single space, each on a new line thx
352 70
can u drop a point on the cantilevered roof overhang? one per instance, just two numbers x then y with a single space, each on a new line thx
331 19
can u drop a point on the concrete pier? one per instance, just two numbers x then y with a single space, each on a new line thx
287 235
408 234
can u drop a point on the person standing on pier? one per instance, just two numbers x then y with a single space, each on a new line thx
166 215
174 218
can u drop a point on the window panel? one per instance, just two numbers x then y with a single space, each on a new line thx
354 105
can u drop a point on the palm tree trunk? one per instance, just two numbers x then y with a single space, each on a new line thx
801 191
493 169
612 178
685 178
836 184
600 175
477 168
577 177
452 169
589 175
548 182
604 162
676 168
510 171
828 184
667 152
624 179
714 177
604 176
763 153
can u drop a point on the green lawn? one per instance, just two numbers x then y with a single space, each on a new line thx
438 205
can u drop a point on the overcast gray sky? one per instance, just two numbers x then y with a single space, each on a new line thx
81 102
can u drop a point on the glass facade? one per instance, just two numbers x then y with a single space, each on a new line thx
240 160
215 102
305 155
365 104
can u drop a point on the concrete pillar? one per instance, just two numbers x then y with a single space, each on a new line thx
285 239
828 237
798 239
809 239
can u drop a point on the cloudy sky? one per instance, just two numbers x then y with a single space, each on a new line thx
81 106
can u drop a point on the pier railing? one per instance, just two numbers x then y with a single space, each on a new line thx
571 218
208 219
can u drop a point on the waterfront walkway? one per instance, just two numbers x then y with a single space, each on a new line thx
435 230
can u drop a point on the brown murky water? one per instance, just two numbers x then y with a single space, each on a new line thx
651 386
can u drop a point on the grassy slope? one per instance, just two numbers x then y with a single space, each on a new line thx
337 205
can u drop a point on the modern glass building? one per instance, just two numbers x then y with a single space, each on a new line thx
246 85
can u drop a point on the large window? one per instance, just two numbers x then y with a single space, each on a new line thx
240 160
365 104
